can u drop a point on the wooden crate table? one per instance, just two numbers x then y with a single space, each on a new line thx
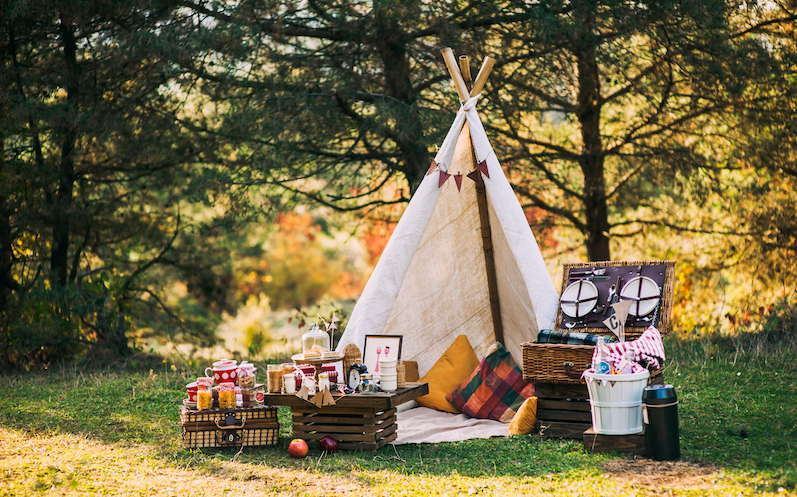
356 421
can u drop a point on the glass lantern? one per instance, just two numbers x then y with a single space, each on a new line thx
315 336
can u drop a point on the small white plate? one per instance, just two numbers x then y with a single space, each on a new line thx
188 403
579 298
640 288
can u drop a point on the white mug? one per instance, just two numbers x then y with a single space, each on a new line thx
387 383
387 365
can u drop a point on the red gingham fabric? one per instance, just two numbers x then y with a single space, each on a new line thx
649 350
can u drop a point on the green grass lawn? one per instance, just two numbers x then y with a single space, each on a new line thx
116 431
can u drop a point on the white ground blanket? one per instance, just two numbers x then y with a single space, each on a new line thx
424 425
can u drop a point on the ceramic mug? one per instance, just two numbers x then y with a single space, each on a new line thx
387 382
223 371
387 366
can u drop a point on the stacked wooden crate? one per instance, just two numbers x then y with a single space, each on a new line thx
563 408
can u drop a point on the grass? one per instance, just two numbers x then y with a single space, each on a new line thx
115 430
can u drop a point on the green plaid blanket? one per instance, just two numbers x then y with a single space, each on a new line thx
571 337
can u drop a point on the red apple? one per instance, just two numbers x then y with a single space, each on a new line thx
298 448
328 444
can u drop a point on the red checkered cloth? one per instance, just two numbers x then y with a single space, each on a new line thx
495 389
648 347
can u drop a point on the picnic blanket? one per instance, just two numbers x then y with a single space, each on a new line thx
425 425
570 337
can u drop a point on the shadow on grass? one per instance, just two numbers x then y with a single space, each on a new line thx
720 396
130 408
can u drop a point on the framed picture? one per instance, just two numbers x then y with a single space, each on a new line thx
380 347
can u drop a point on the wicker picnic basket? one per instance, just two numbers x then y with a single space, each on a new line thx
246 426
565 363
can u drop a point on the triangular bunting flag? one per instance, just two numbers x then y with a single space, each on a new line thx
612 383
443 178
458 180
474 175
327 400
482 166
434 167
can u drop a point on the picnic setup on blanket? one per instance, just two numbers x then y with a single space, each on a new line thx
460 332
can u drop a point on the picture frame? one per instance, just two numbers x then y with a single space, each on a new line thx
380 346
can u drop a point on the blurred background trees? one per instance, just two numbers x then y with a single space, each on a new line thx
165 163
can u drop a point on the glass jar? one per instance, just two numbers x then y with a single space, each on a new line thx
274 378
227 399
315 336
204 398
367 384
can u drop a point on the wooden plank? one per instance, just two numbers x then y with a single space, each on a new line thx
351 437
556 429
561 391
335 411
410 392
336 418
629 444
563 404
335 428
377 401
558 415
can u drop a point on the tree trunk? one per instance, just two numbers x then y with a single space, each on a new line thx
410 139
62 208
7 282
592 159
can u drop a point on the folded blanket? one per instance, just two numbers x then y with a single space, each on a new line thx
424 425
648 347
570 337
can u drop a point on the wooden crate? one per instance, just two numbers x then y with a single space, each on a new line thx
356 421
564 363
215 428
364 429
564 411
629 444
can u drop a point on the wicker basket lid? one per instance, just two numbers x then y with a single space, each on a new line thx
350 353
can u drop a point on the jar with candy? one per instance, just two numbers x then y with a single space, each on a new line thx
246 375
204 397
226 396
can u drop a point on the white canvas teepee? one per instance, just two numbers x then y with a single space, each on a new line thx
462 259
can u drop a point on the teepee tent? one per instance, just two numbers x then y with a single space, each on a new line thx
462 258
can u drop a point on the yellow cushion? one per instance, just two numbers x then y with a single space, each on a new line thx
454 367
525 418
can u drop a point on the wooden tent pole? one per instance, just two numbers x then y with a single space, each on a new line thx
481 193
481 78
456 76
464 68
489 255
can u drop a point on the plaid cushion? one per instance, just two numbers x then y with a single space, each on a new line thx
570 337
495 390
